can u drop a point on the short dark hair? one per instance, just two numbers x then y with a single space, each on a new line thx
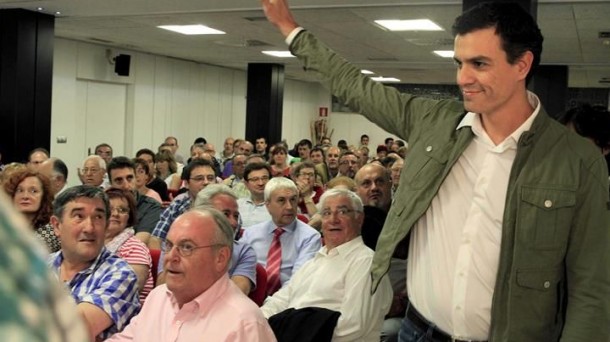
254 167
79 191
304 142
388 139
102 145
131 203
589 121
195 163
60 167
148 152
120 162
200 140
517 29
363 136
318 149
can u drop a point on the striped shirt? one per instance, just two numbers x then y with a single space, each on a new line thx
109 283
135 252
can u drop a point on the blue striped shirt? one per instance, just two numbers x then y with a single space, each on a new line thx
109 283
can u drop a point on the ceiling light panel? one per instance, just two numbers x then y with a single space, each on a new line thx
409 25
191 29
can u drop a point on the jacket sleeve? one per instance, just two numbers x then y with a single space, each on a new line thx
588 260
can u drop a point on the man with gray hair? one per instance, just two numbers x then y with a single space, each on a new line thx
337 278
243 258
282 244
103 285
198 298
93 172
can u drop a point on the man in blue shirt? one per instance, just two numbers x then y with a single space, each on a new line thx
103 285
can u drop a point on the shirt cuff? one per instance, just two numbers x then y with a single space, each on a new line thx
293 34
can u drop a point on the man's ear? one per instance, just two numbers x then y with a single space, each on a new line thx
524 64
55 222
223 258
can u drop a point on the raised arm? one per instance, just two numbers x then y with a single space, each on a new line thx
278 13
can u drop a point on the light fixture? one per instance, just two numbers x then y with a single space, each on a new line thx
191 29
385 79
366 72
444 53
409 25
39 8
281 54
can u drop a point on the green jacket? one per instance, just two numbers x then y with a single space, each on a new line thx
553 280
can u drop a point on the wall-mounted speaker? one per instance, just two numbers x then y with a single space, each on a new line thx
121 64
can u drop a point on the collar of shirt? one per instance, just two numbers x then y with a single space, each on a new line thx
249 200
203 303
289 228
473 120
58 258
342 250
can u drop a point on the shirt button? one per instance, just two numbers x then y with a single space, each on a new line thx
548 203
547 284
429 148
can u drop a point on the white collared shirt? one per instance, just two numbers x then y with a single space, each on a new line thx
455 246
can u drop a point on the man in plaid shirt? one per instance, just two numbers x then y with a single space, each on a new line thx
102 284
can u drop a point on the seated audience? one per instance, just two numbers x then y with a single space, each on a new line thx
57 173
348 164
591 122
282 244
198 300
155 183
279 162
236 180
304 176
103 285
329 169
338 277
121 241
166 167
36 157
32 197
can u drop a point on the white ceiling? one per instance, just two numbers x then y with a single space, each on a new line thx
570 29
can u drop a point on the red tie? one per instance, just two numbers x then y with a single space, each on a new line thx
274 260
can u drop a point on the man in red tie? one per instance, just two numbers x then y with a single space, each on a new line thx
284 243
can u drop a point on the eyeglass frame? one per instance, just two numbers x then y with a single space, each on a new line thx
168 246
341 212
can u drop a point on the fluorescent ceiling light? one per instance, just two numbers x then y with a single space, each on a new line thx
191 29
409 25
281 54
385 79
367 72
444 53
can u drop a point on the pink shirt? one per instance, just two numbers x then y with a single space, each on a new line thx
135 252
221 313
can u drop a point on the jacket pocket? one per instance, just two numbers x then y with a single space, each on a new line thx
425 162
545 216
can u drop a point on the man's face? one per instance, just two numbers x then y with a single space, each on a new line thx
105 152
261 145
364 141
228 145
124 179
36 159
348 165
256 182
306 179
282 206
340 224
389 143
332 157
316 157
373 187
46 168
81 229
489 84
187 276
173 144
197 152
245 148
239 165
92 173
229 207
395 170
303 151
200 177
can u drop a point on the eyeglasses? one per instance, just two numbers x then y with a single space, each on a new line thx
257 179
341 213
307 174
185 249
119 210
92 170
209 178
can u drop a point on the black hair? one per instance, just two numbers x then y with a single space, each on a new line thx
60 167
517 29
256 166
591 122
120 163
148 152
193 164
76 192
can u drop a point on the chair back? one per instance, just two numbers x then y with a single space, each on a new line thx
259 294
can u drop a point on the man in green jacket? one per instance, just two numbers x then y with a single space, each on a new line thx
507 210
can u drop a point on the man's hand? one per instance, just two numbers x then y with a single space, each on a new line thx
278 13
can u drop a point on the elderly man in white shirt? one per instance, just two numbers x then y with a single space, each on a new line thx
338 278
